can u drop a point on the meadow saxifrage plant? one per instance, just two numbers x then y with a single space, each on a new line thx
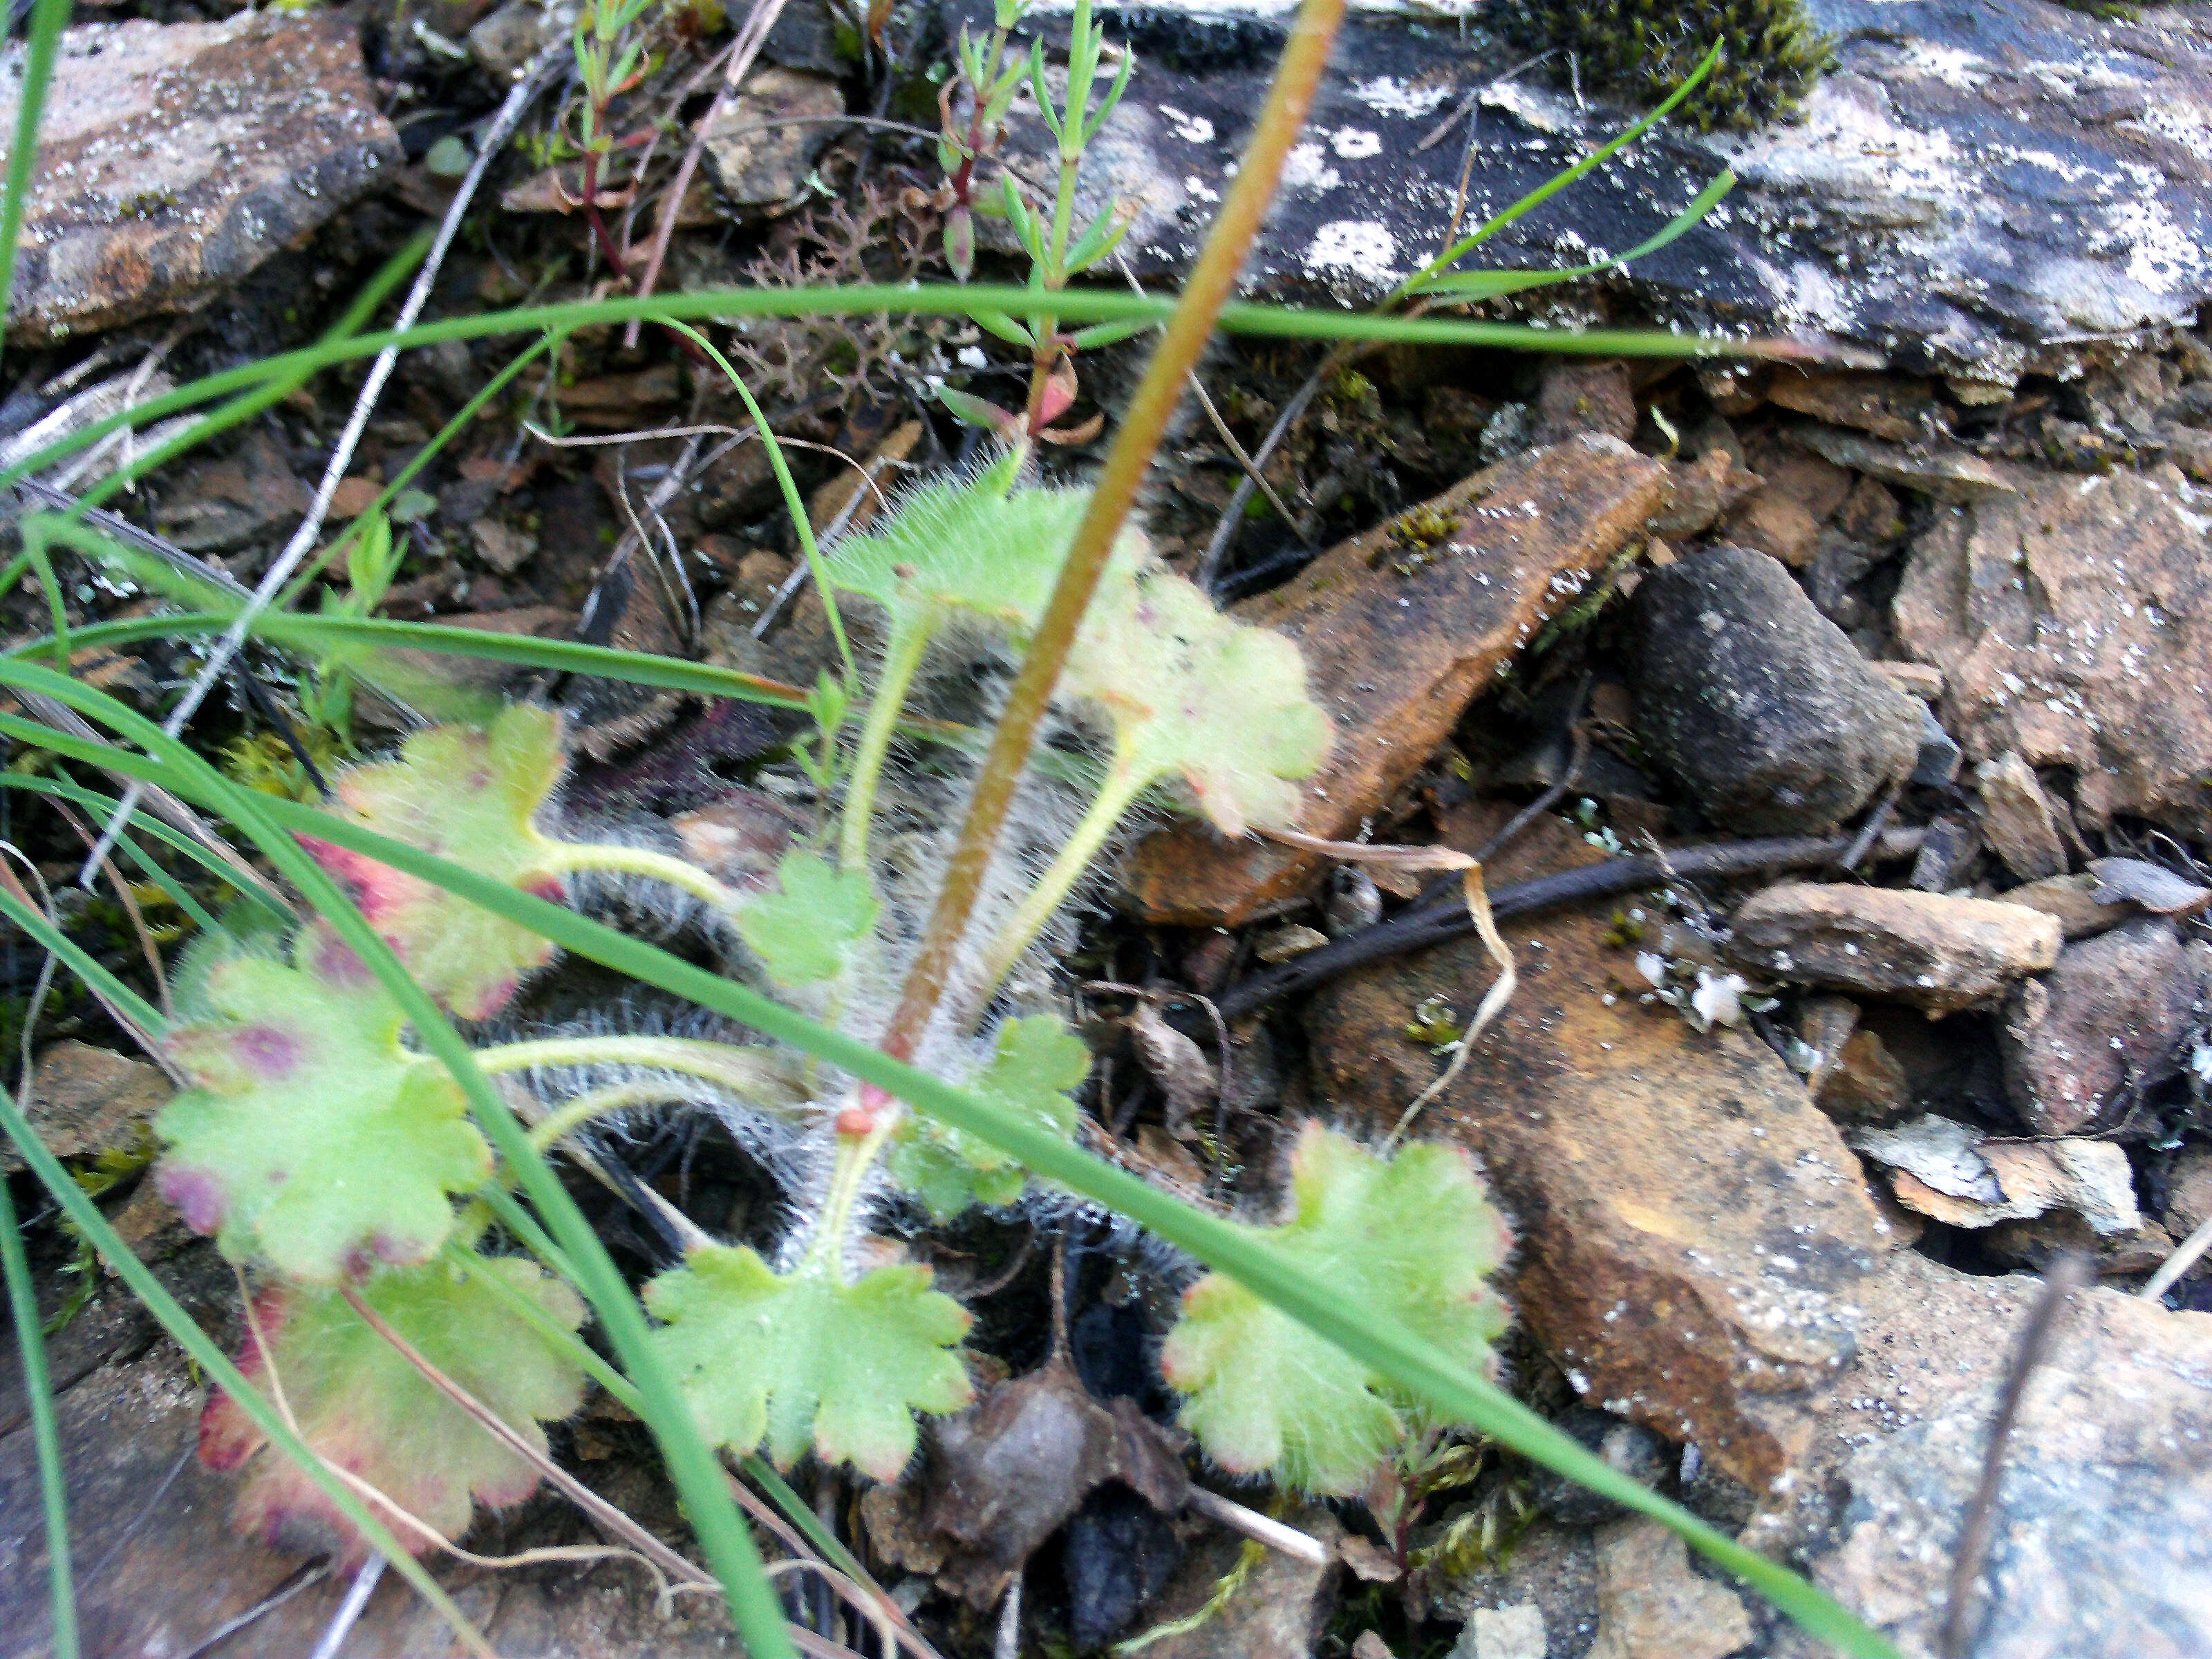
327 1155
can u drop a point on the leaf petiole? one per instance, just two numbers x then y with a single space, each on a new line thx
742 1071
615 858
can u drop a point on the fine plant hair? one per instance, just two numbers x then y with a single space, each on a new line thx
890 1040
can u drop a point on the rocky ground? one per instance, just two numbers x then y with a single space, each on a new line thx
1864 707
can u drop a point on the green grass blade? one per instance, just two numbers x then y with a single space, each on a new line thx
1410 1363
104 806
38 1394
1488 284
698 1476
133 1007
48 19
211 1359
1068 305
1558 181
324 634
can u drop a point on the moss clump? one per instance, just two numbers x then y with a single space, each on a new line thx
1642 50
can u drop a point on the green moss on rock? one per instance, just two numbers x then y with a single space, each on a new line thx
1642 50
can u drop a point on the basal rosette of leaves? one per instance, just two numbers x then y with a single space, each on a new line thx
363 1406
1415 1238
311 1140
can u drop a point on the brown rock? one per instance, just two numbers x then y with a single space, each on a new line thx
353 496
2083 1043
1866 1084
1825 1025
1944 470
86 1100
2017 823
1578 396
1691 1227
1822 486
1397 655
1938 953
1703 490
1777 523
1651 1605
503 547
2073 900
759 162
2074 625
1903 411
1870 514
217 505
174 158
2038 1241
739 837
2103 1524
2189 1191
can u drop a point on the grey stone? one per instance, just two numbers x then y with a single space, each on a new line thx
174 158
1937 762
2103 1522
758 161
2083 1043
508 39
1759 704
1972 189
1629 1448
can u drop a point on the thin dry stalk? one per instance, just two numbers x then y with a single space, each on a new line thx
758 21
603 1514
2068 1274
1212 281
1500 993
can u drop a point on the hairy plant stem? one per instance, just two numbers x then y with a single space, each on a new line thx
901 661
556 1126
743 1071
1124 783
617 859
856 1154
1143 426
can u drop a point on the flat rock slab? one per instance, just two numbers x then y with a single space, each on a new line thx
176 157
2103 1523
1974 178
1398 635
1939 953
2073 624
1690 1228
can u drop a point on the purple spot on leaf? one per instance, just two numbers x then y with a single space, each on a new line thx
266 1050
195 1194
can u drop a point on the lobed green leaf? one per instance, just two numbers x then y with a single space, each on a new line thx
363 1405
806 1359
1414 1241
1035 1065
311 1139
